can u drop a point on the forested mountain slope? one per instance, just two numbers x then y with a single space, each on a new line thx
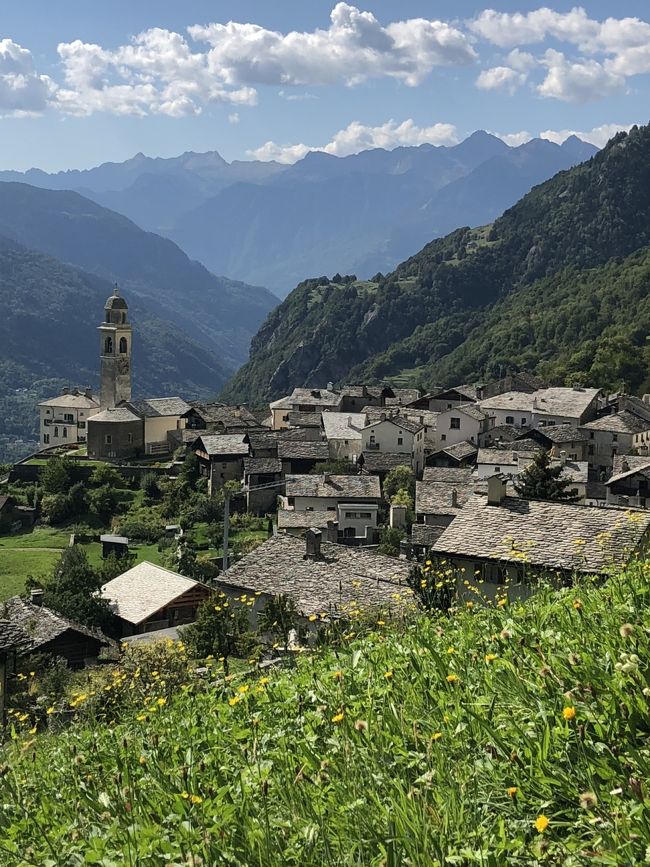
221 314
415 323
49 339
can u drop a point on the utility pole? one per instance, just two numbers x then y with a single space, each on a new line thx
226 525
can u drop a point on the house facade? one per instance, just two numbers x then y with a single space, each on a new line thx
396 435
64 419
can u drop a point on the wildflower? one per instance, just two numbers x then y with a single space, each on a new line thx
469 605
626 630
381 623
32 731
338 717
263 681
502 602
141 717
452 678
243 688
511 791
505 634
490 657
436 736
569 713
577 604
388 675
361 725
196 799
312 617
234 700
588 800
185 795
50 710
541 823
161 701
337 675
32 673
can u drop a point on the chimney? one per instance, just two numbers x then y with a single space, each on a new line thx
625 467
562 458
646 399
88 392
382 416
330 386
397 516
622 402
333 531
313 540
36 596
454 498
65 390
496 490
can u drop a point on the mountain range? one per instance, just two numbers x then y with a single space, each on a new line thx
274 224
559 283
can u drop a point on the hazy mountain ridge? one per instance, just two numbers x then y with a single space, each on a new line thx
414 323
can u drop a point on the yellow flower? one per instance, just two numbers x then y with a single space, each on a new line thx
452 678
263 681
142 760
141 717
185 795
569 713
234 700
541 823
161 702
502 602
577 604
312 617
490 657
337 675
50 710
244 688
339 717
511 791
32 731
381 623
196 799
436 736
388 675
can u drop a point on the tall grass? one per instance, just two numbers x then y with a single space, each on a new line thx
513 735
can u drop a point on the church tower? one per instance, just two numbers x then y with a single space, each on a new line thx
115 353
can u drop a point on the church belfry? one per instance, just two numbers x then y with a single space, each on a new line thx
115 353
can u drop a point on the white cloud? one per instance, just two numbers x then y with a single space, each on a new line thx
514 139
577 81
296 97
500 78
22 90
234 117
358 137
598 136
354 48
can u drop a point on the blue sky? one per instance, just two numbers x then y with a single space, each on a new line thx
84 81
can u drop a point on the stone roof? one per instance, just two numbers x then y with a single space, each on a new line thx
12 636
560 433
304 419
229 416
499 457
383 462
401 396
469 392
223 444
343 425
628 465
140 592
159 407
620 422
553 535
342 577
71 400
290 450
461 450
42 625
565 402
450 475
399 421
292 519
115 414
470 410
263 442
425 534
505 432
437 498
115 301
258 466
4 501
574 471
309 397
525 444
426 417
334 487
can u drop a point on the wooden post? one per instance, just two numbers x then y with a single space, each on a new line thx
226 525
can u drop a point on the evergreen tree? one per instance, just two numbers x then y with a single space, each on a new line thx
221 629
541 481
73 587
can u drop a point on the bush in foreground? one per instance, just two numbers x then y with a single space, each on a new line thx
513 735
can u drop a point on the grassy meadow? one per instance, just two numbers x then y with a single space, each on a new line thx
518 734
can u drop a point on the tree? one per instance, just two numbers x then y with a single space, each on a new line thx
73 587
56 477
103 474
189 472
149 484
280 617
400 478
389 539
103 502
402 498
221 629
541 481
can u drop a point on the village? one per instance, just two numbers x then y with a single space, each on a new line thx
356 486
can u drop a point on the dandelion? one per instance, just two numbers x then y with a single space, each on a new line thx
234 700
381 623
502 602
196 799
626 630
141 717
263 681
361 725
541 823
185 795
452 678
312 617
511 791
337 675
436 736
588 800
161 701
569 713
32 731
338 717
50 711
577 604
243 689
490 657
388 675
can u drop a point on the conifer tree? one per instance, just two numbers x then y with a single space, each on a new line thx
541 481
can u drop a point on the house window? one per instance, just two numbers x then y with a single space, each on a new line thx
615 438
68 417
449 406
443 437
56 432
123 346
523 422
497 469
494 573
400 441
372 439
129 438
82 424
46 439
454 423
108 346
108 439
591 449
65 433
510 419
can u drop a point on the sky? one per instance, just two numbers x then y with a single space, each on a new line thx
88 81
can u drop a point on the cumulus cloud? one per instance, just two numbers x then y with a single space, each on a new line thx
514 139
354 48
357 137
598 136
500 78
577 81
22 90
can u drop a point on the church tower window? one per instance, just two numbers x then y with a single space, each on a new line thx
108 346
123 346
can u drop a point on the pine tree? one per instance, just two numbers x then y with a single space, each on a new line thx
541 481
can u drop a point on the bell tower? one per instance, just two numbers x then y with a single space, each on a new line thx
115 353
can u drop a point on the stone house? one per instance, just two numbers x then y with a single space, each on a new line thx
303 400
442 399
115 433
556 439
160 416
460 424
343 434
148 597
221 458
460 455
301 456
324 493
64 419
613 435
396 435
505 542
219 418
629 484
265 475
547 406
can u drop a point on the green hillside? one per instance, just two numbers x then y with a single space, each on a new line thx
511 735
416 322
48 339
